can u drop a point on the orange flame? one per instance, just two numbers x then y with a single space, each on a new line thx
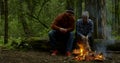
85 53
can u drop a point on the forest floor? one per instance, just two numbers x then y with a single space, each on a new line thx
12 56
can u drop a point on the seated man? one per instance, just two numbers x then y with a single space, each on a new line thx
84 29
62 28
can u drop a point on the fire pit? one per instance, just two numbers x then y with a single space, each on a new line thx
84 53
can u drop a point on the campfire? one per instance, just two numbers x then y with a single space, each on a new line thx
84 53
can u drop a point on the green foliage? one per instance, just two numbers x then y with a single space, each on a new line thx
1 40
1 27
45 11
116 35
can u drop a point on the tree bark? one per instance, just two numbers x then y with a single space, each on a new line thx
6 21
91 7
1 7
78 8
117 15
113 15
70 4
103 18
97 12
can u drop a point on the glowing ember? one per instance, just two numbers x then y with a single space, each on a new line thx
84 53
99 57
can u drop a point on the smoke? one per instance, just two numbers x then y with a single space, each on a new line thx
108 34
101 44
101 47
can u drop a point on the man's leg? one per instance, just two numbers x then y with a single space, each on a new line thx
52 38
78 39
69 42
91 43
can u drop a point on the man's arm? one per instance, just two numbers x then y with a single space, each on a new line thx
55 23
91 29
79 28
71 28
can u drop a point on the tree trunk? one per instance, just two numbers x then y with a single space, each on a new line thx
113 15
1 7
70 4
6 21
96 9
23 20
78 8
117 15
2 17
103 18
91 7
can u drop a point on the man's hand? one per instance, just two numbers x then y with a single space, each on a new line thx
63 30
86 38
83 37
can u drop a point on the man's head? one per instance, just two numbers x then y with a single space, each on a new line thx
85 16
70 10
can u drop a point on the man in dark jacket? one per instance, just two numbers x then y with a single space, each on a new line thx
62 28
84 29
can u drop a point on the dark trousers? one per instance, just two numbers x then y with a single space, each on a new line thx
56 38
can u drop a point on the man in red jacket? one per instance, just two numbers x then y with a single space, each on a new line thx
62 28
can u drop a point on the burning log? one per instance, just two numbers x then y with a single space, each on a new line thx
84 53
99 57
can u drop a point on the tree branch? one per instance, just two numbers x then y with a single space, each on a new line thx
42 6
38 20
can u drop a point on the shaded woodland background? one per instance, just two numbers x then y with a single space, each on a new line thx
31 19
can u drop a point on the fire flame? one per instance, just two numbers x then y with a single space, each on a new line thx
84 53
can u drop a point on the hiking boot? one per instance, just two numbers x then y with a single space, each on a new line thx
54 53
68 53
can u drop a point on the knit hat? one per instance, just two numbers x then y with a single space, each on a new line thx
70 10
